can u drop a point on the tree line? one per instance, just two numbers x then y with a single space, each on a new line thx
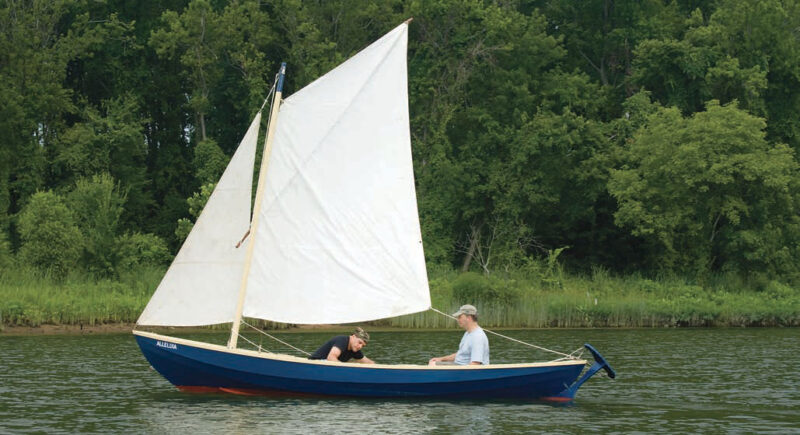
637 136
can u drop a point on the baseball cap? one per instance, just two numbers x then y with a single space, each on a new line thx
362 334
466 309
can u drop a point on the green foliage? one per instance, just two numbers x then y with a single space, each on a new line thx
686 73
30 299
6 257
81 233
604 300
219 50
51 238
209 162
709 189
759 35
473 288
34 52
190 37
535 125
109 141
97 205
196 203
137 250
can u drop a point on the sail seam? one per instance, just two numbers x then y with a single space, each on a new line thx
327 133
299 173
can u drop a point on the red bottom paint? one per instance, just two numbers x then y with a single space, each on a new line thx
196 389
556 399
278 393
243 391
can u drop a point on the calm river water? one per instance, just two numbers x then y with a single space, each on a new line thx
679 381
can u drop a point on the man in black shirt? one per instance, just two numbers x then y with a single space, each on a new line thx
343 348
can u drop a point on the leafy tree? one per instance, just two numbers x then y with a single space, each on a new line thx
209 161
33 56
109 143
553 179
308 52
763 35
248 47
468 51
39 42
710 191
210 44
190 37
51 239
136 249
97 205
601 35
521 112
687 72
196 203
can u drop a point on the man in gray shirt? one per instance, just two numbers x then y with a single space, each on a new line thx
474 346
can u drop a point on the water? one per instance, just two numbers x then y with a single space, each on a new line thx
679 381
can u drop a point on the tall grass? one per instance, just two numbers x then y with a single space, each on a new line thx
602 300
29 298
521 298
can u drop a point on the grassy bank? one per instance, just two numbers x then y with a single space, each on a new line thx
30 299
515 299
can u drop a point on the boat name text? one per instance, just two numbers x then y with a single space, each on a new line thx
166 345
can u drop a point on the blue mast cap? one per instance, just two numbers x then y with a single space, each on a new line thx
281 75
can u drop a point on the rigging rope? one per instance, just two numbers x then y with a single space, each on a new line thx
258 346
564 355
276 339
270 94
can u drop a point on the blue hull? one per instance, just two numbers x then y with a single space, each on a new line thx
197 366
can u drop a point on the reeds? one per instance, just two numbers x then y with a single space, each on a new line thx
31 299
602 300
521 299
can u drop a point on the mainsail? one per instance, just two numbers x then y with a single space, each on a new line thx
337 238
201 285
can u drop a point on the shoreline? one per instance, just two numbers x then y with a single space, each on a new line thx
31 305
127 328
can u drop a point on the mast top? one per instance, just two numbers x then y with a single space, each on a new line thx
281 75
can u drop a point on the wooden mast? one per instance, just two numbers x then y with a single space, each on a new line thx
273 118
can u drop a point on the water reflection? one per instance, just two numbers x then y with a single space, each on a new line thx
703 380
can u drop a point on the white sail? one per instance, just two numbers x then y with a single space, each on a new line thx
338 239
201 285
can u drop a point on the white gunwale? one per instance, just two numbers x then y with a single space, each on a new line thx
295 359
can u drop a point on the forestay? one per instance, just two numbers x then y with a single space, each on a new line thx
201 285
338 238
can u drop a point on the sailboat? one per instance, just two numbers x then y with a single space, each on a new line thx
333 238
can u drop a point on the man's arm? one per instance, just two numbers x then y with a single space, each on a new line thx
365 360
477 351
433 361
333 355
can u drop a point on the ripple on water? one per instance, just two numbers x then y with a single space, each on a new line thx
696 380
